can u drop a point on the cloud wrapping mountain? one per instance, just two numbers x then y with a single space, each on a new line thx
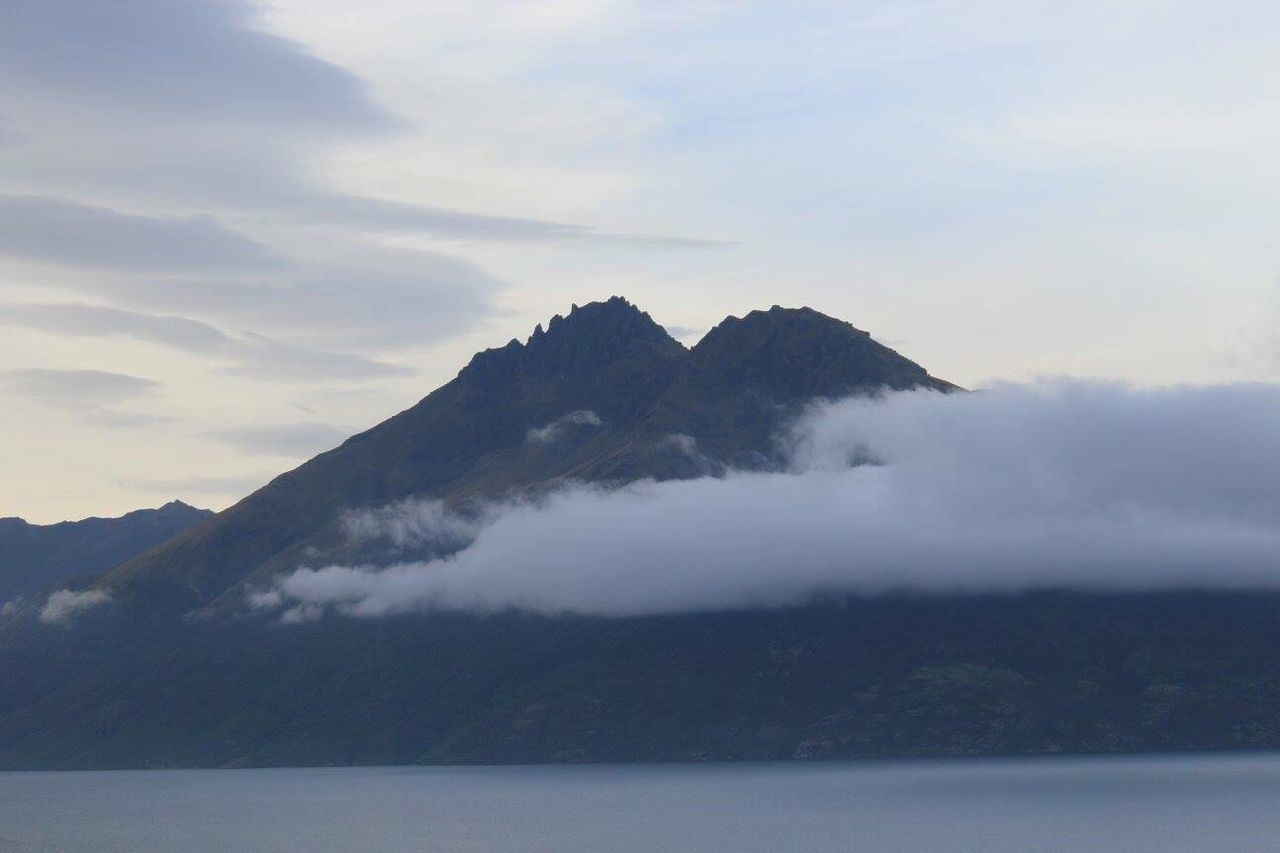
413 524
577 418
1060 484
65 604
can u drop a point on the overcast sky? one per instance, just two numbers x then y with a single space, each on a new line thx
231 234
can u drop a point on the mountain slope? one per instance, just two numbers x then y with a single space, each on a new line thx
1038 673
603 394
35 558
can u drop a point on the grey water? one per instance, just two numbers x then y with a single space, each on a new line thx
1182 803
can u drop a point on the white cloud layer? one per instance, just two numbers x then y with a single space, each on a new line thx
1063 484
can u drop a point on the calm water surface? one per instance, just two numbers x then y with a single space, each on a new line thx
1098 805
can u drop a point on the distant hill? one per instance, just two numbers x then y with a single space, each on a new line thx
35 558
612 383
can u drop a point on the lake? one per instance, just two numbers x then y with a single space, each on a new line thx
1180 803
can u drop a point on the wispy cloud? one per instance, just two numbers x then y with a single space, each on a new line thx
249 102
60 232
548 433
249 355
290 440
92 394
82 320
192 58
236 486
396 300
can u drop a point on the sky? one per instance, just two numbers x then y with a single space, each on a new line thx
233 233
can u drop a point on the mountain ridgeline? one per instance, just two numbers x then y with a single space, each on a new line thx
625 399
169 668
35 558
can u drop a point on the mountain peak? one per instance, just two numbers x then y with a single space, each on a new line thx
579 343
792 320
35 558
614 317
796 353
180 509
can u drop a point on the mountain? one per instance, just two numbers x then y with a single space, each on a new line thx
604 395
34 558
1045 673
611 385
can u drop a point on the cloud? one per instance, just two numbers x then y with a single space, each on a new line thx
397 216
251 355
687 446
550 432
414 524
118 124
260 357
1064 484
81 320
206 60
293 440
61 232
683 332
92 393
196 102
396 299
65 604
76 387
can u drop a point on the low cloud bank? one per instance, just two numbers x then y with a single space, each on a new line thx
1056 485
62 606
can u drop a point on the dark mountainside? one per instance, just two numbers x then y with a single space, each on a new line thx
967 675
35 558
175 672
469 439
